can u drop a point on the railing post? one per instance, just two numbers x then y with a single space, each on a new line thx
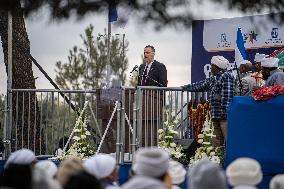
134 135
122 124
181 116
118 135
139 114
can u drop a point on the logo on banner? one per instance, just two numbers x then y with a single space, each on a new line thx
250 37
274 33
275 40
223 41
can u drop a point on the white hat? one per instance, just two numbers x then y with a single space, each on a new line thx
245 62
270 62
48 166
177 172
220 61
258 57
100 166
244 171
206 174
152 162
277 182
21 157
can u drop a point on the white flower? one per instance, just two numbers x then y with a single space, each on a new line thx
166 122
200 141
200 136
77 130
176 121
173 145
173 131
160 131
212 153
206 143
87 133
76 138
83 136
168 137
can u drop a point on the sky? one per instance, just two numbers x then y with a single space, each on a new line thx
50 42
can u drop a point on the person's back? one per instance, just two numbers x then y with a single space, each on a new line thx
276 78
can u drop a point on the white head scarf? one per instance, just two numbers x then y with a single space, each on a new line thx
100 166
48 166
21 157
152 162
144 182
244 171
245 62
220 61
277 182
177 172
206 174
270 62
258 57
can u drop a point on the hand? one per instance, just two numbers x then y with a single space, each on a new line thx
183 88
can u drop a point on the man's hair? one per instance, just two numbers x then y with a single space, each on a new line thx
150 46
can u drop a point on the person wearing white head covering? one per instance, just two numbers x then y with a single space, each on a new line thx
144 182
177 173
246 83
47 166
270 72
205 174
21 157
103 167
244 173
150 164
277 182
257 74
221 91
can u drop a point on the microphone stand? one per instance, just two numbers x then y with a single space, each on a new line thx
148 77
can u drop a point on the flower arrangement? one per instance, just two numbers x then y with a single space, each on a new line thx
266 93
81 146
214 154
166 138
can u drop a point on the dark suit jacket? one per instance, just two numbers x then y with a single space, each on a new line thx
157 75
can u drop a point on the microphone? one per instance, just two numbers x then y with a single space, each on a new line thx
134 68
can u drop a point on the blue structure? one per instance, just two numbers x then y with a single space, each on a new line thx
255 129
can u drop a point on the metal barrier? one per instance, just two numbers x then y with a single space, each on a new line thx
139 114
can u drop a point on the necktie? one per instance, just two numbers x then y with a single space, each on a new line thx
144 76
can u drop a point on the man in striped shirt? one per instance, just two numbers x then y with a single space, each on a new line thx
221 91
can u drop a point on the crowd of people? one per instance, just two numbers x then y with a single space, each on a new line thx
223 85
152 168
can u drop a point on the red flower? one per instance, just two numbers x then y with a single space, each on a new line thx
267 93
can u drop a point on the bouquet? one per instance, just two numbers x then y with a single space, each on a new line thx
214 154
81 146
166 138
267 93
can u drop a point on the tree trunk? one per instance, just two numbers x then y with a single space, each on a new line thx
26 127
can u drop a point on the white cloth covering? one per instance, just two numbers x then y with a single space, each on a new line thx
101 165
48 166
220 61
177 172
270 62
21 157
244 171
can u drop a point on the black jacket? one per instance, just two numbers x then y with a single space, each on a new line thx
157 75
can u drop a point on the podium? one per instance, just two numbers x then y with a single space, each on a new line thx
255 130
152 103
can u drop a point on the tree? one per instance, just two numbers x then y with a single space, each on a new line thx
26 124
160 12
86 65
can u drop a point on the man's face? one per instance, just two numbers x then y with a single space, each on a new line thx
257 66
214 69
148 55
265 73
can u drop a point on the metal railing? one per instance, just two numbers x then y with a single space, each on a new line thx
41 117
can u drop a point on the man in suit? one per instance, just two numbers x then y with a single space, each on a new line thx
152 72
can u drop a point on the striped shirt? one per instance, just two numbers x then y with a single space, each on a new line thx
221 92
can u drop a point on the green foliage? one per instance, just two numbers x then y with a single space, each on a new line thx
86 65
